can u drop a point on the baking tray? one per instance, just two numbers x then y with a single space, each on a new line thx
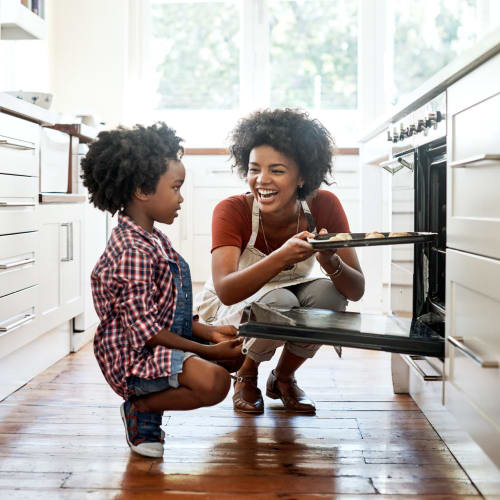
359 330
320 241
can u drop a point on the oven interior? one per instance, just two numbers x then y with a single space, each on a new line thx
430 215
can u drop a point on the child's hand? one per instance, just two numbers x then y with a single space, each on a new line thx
223 332
225 351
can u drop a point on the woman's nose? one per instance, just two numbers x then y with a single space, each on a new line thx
262 177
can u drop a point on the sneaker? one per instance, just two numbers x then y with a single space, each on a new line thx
142 430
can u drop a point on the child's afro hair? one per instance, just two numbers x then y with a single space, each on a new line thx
122 160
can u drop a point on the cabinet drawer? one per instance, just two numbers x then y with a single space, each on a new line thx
473 219
204 203
18 202
18 319
216 172
18 158
19 129
17 309
18 262
473 332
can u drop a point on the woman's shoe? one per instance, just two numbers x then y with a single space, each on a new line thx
294 398
247 398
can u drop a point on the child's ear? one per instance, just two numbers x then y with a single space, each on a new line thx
140 195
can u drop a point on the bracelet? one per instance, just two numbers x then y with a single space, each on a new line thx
337 271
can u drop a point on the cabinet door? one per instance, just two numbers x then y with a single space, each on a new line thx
473 211
61 290
472 360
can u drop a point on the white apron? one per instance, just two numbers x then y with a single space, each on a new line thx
212 311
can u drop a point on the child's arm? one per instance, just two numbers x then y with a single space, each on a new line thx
227 350
214 334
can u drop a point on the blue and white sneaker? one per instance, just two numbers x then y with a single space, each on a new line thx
142 430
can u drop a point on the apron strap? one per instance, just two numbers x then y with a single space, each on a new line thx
311 225
255 223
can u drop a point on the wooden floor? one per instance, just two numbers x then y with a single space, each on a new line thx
61 437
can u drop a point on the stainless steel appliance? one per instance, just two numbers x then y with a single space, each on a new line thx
417 167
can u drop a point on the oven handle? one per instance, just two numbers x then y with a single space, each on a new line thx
400 161
458 342
410 360
472 160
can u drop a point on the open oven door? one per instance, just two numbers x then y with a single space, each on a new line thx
347 329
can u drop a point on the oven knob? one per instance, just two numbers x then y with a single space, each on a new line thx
420 125
389 137
439 116
395 135
402 132
433 120
413 130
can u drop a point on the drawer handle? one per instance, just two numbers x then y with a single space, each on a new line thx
220 171
472 160
17 204
7 144
16 324
427 377
17 263
458 342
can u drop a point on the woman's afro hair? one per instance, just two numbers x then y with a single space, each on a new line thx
122 160
292 133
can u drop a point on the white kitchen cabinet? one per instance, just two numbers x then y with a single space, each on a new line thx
61 276
472 361
473 347
473 172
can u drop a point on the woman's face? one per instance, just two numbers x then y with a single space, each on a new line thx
273 178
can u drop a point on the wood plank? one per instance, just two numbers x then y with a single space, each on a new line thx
61 436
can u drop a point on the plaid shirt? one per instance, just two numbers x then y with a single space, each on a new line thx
135 297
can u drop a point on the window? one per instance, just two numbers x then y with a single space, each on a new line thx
426 40
210 62
195 54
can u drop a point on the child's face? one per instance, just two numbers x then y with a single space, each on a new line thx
166 201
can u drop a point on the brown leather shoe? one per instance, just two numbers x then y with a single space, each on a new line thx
294 399
247 398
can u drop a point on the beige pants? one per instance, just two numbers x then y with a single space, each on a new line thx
319 293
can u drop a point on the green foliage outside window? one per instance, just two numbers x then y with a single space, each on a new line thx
196 54
314 45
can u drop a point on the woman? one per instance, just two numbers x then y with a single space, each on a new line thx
260 250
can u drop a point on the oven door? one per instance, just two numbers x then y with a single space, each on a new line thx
361 330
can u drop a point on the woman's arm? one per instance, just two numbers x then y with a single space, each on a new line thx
350 282
233 286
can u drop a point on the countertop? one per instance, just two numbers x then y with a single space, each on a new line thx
27 111
486 48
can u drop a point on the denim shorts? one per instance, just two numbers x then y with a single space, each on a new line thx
143 386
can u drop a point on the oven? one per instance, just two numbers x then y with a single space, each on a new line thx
417 173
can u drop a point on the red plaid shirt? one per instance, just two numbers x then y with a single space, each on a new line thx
134 295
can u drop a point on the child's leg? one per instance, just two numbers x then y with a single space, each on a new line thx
201 383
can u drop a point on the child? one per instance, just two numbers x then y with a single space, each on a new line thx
142 288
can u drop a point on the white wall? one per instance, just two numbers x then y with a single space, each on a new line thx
88 56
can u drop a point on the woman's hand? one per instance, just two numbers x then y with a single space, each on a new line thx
224 351
296 249
223 333
324 257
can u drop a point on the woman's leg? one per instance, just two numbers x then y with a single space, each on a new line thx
247 396
320 293
201 383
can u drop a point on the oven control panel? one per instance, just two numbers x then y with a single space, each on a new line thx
423 125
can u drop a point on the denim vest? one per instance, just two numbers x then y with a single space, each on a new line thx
183 316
